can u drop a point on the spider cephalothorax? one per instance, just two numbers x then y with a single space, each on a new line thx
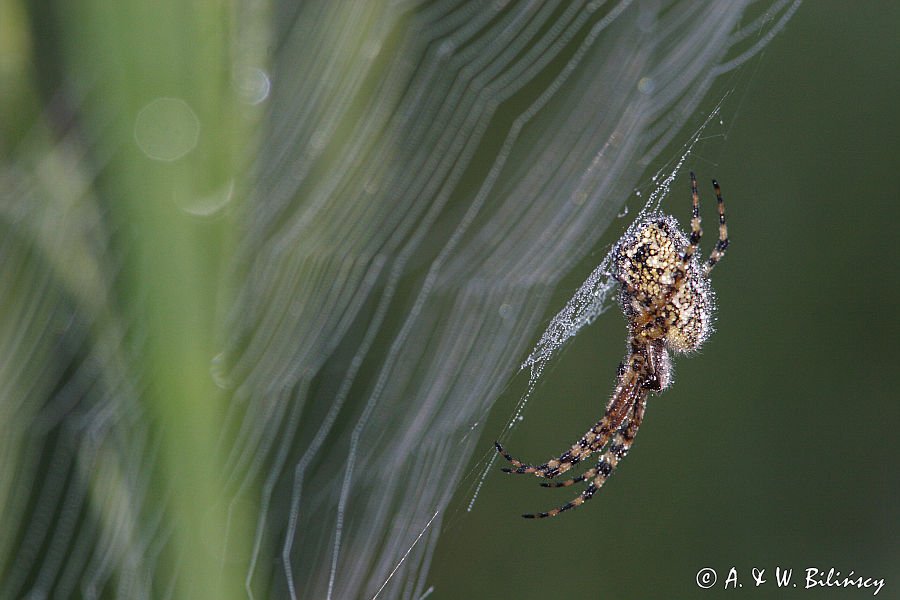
668 302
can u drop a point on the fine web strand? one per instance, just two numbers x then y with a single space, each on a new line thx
403 558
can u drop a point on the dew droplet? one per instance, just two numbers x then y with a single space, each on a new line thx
646 85
166 129
211 204
217 371
253 84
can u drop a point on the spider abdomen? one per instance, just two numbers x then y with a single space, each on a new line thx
663 297
691 309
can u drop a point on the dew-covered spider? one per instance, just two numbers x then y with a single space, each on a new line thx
668 302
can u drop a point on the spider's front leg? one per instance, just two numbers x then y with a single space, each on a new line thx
598 475
617 409
617 450
590 442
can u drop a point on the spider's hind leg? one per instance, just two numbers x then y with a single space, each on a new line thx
696 230
722 244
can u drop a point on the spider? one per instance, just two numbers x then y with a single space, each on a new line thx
668 303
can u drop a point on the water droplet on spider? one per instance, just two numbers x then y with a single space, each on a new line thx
654 178
166 129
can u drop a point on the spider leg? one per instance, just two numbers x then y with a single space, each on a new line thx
619 447
693 244
721 245
696 230
607 463
617 409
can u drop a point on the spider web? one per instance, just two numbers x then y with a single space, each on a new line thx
422 177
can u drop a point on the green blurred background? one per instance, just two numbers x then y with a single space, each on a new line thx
778 443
